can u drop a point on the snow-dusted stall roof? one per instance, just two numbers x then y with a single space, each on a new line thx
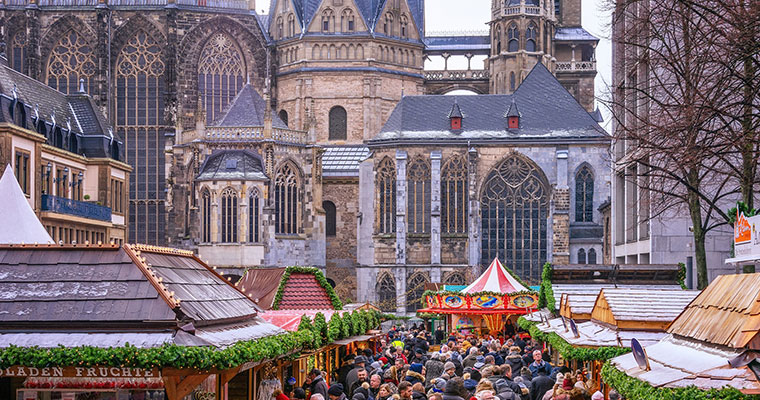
594 334
18 222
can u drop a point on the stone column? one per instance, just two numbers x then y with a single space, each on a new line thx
399 274
561 213
401 207
365 219
473 240
102 51
435 207
33 40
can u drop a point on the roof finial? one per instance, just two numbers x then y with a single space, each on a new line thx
37 112
110 134
81 86
68 124
52 117
14 91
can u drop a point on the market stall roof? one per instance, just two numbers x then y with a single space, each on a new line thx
679 362
496 279
595 334
261 284
576 306
51 295
18 222
299 288
641 308
726 313
289 319
593 289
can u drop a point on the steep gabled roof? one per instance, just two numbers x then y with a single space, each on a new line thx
18 222
305 288
230 165
247 109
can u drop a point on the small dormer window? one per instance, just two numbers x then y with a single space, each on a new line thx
456 123
455 116
514 122
513 116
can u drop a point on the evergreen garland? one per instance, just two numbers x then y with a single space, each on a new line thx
335 328
567 350
682 275
546 292
334 299
320 325
635 389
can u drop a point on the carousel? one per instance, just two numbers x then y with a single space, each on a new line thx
487 303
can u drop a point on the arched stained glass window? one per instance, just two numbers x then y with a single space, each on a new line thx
530 37
338 129
584 195
287 199
581 256
415 289
513 38
254 215
291 25
139 108
386 193
229 223
591 256
283 116
386 292
72 59
205 216
221 74
454 204
404 26
280 28
328 20
514 212
418 196
330 217
455 278
512 82
388 24
18 51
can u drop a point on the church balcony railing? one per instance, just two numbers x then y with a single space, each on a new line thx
456 75
15 2
84 209
254 133
576 66
240 4
289 136
523 9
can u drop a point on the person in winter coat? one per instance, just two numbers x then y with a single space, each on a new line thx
360 362
471 358
414 375
384 393
539 364
434 367
317 383
336 392
375 381
514 360
455 390
361 378
418 392
540 385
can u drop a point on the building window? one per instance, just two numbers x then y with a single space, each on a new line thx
418 196
291 25
415 288
18 51
386 293
76 185
280 25
455 278
283 116
46 169
221 74
347 20
513 38
253 216
388 25
581 256
386 193
139 119
71 59
514 211
591 256
205 216
22 170
584 195
229 216
404 27
330 217
497 40
61 182
117 196
328 19
287 199
512 82
454 204
338 123
530 37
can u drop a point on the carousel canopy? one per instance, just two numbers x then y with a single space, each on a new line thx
495 279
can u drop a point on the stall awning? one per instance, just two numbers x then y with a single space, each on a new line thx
360 338
471 311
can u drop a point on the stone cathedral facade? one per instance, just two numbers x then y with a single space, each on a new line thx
284 139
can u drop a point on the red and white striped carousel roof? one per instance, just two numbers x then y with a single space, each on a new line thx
495 279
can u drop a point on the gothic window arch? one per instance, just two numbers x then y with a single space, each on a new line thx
512 82
415 290
359 52
328 20
454 203
386 292
386 196
283 116
221 74
139 108
514 212
18 51
287 199
229 214
591 256
291 25
404 26
71 59
347 20
388 24
513 38
530 37
581 256
418 196
205 216
330 217
584 195
497 40
455 278
338 129
254 216
280 28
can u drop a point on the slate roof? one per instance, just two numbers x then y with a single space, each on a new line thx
343 161
448 43
547 112
52 106
303 292
226 165
574 34
247 109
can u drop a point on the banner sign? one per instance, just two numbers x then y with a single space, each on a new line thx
79 372
746 238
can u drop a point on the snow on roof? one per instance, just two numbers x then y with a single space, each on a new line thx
18 222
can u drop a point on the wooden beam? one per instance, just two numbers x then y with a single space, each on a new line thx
187 385
227 375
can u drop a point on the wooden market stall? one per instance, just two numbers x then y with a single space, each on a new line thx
486 303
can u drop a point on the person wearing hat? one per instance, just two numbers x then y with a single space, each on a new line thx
449 370
414 374
454 389
359 363
480 361
434 367
299 394
419 356
336 392
436 386
317 384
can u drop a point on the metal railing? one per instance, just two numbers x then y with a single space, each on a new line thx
62 205
456 75
572 66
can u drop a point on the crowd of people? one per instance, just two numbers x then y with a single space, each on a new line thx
464 367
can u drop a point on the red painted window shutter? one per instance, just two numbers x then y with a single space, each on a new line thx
514 122
456 123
